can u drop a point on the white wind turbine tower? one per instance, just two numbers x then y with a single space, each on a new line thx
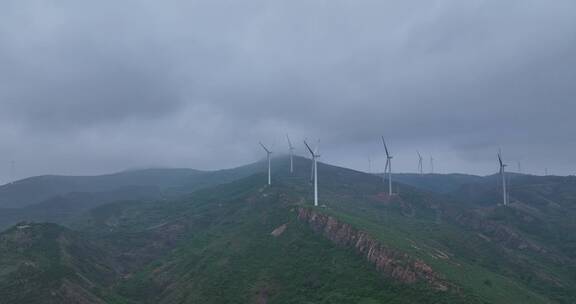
314 154
503 174
431 165
420 166
369 165
12 172
388 167
291 148
268 153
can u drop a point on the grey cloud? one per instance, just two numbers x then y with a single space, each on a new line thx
197 83
74 69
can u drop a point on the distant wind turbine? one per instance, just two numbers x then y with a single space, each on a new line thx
268 153
431 165
420 166
12 172
291 148
388 167
369 165
503 174
314 154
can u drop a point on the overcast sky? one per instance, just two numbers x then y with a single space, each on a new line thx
90 87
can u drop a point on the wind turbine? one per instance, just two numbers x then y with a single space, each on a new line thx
268 153
312 167
431 165
503 174
388 167
314 154
291 148
420 167
12 172
369 165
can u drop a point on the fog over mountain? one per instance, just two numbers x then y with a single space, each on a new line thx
89 87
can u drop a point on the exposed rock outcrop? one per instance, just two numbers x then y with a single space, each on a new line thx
278 231
393 263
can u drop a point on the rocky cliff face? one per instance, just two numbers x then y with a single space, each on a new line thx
392 263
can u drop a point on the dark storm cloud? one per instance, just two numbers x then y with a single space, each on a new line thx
69 67
106 85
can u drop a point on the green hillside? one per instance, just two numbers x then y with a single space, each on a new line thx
47 263
246 242
234 258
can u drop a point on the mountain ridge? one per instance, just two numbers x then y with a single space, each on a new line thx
252 240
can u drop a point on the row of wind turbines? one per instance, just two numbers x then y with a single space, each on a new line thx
387 169
314 155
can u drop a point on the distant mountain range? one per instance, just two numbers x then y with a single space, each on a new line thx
437 183
187 236
57 199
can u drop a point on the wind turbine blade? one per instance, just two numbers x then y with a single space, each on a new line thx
289 142
317 147
309 149
385 147
500 160
264 147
